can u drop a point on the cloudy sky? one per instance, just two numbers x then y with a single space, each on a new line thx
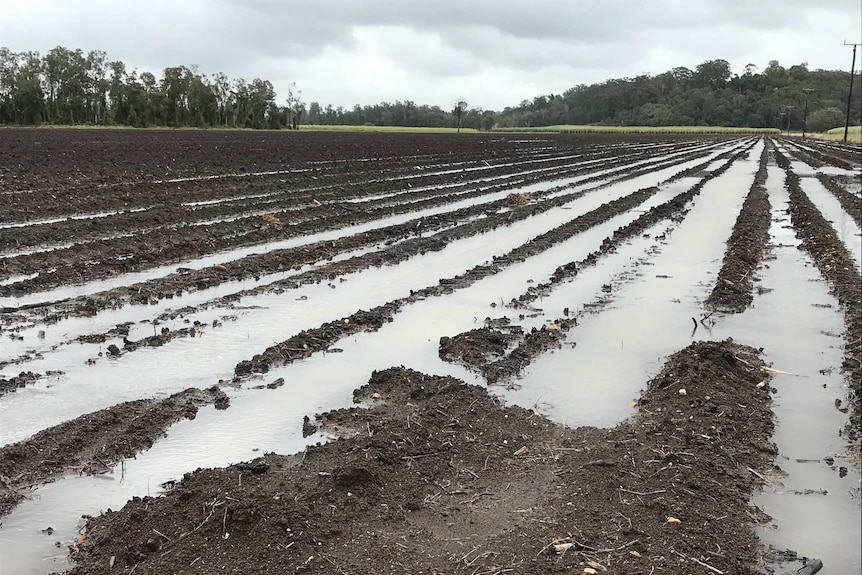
494 53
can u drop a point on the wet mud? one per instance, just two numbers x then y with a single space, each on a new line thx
836 265
434 475
745 248
851 203
95 442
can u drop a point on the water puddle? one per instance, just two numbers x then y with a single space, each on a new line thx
791 323
271 419
273 318
845 226
618 349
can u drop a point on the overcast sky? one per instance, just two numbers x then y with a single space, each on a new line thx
493 53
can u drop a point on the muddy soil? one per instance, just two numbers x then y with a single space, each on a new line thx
476 348
851 203
322 338
95 442
134 223
836 265
435 476
254 266
10 384
745 246
816 156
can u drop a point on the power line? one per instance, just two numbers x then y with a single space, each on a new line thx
805 114
850 95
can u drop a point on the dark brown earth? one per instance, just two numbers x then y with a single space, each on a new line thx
745 246
435 482
836 264
300 187
435 476
8 385
851 203
95 442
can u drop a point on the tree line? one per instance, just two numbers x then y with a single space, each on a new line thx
709 95
69 87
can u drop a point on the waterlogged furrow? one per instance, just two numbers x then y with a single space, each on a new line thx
836 264
202 361
851 203
250 232
745 246
34 339
172 457
545 188
512 262
810 504
817 155
648 317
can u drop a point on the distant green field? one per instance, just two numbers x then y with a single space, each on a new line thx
644 129
854 134
322 128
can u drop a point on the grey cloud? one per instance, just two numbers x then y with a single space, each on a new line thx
370 50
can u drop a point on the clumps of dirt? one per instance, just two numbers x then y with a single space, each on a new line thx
120 330
500 351
851 203
836 264
321 338
474 349
23 379
437 476
817 159
94 442
673 210
309 341
538 341
517 199
745 247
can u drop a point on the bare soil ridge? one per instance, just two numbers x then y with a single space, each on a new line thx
436 476
836 265
745 247
851 203
95 442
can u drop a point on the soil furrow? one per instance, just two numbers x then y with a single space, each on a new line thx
529 345
851 203
319 339
816 158
745 246
477 487
113 257
673 209
87 305
95 442
836 264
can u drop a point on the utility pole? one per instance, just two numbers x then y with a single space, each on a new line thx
789 110
805 114
850 95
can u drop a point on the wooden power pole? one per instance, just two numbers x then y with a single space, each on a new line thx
850 95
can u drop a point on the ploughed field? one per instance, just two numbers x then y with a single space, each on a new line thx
428 353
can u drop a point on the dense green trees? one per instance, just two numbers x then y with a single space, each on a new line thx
70 87
709 95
